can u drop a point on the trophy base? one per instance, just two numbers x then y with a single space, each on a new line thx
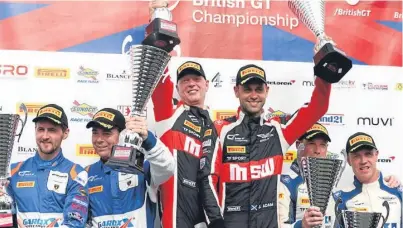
162 34
330 64
126 160
6 218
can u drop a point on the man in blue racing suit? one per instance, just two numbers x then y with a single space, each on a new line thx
369 191
121 199
293 199
48 190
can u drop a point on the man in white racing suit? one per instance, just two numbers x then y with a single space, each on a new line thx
369 191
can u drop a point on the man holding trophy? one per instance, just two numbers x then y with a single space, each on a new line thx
118 198
294 204
179 129
293 200
249 165
368 200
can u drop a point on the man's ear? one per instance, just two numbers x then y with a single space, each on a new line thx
348 160
66 133
236 91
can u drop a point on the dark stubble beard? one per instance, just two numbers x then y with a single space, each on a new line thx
251 114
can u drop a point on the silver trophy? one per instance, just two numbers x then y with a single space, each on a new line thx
331 64
360 219
8 129
321 176
147 63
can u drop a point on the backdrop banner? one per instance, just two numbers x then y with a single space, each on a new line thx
69 53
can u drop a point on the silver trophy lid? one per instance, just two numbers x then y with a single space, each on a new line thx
311 13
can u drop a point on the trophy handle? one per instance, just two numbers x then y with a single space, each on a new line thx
385 218
23 122
343 167
300 149
303 163
337 212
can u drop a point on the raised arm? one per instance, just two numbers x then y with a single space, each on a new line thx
309 114
162 98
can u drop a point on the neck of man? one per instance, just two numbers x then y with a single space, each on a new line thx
49 156
199 104
256 114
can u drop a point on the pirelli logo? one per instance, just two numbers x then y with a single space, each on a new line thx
32 108
63 73
252 70
290 156
26 184
360 138
192 126
208 132
188 65
223 114
305 201
51 110
104 114
360 209
85 150
96 189
317 127
236 149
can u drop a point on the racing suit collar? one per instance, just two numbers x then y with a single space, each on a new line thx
187 107
44 164
242 116
105 168
378 183
295 167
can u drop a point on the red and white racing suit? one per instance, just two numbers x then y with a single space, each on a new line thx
240 172
180 129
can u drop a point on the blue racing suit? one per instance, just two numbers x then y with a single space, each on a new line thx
370 197
129 200
49 193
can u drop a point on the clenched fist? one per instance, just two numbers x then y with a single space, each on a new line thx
137 124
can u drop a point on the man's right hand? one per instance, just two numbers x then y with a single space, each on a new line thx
312 217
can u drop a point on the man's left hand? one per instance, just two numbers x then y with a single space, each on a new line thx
137 124
392 181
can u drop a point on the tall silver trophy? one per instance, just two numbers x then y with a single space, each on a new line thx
331 64
321 176
147 62
360 219
8 129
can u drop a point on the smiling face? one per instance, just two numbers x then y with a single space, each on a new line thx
103 140
192 89
363 163
252 96
49 137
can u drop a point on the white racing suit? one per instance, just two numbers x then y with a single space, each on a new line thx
370 197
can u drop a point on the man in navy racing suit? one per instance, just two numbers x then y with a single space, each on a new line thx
369 191
120 199
48 190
